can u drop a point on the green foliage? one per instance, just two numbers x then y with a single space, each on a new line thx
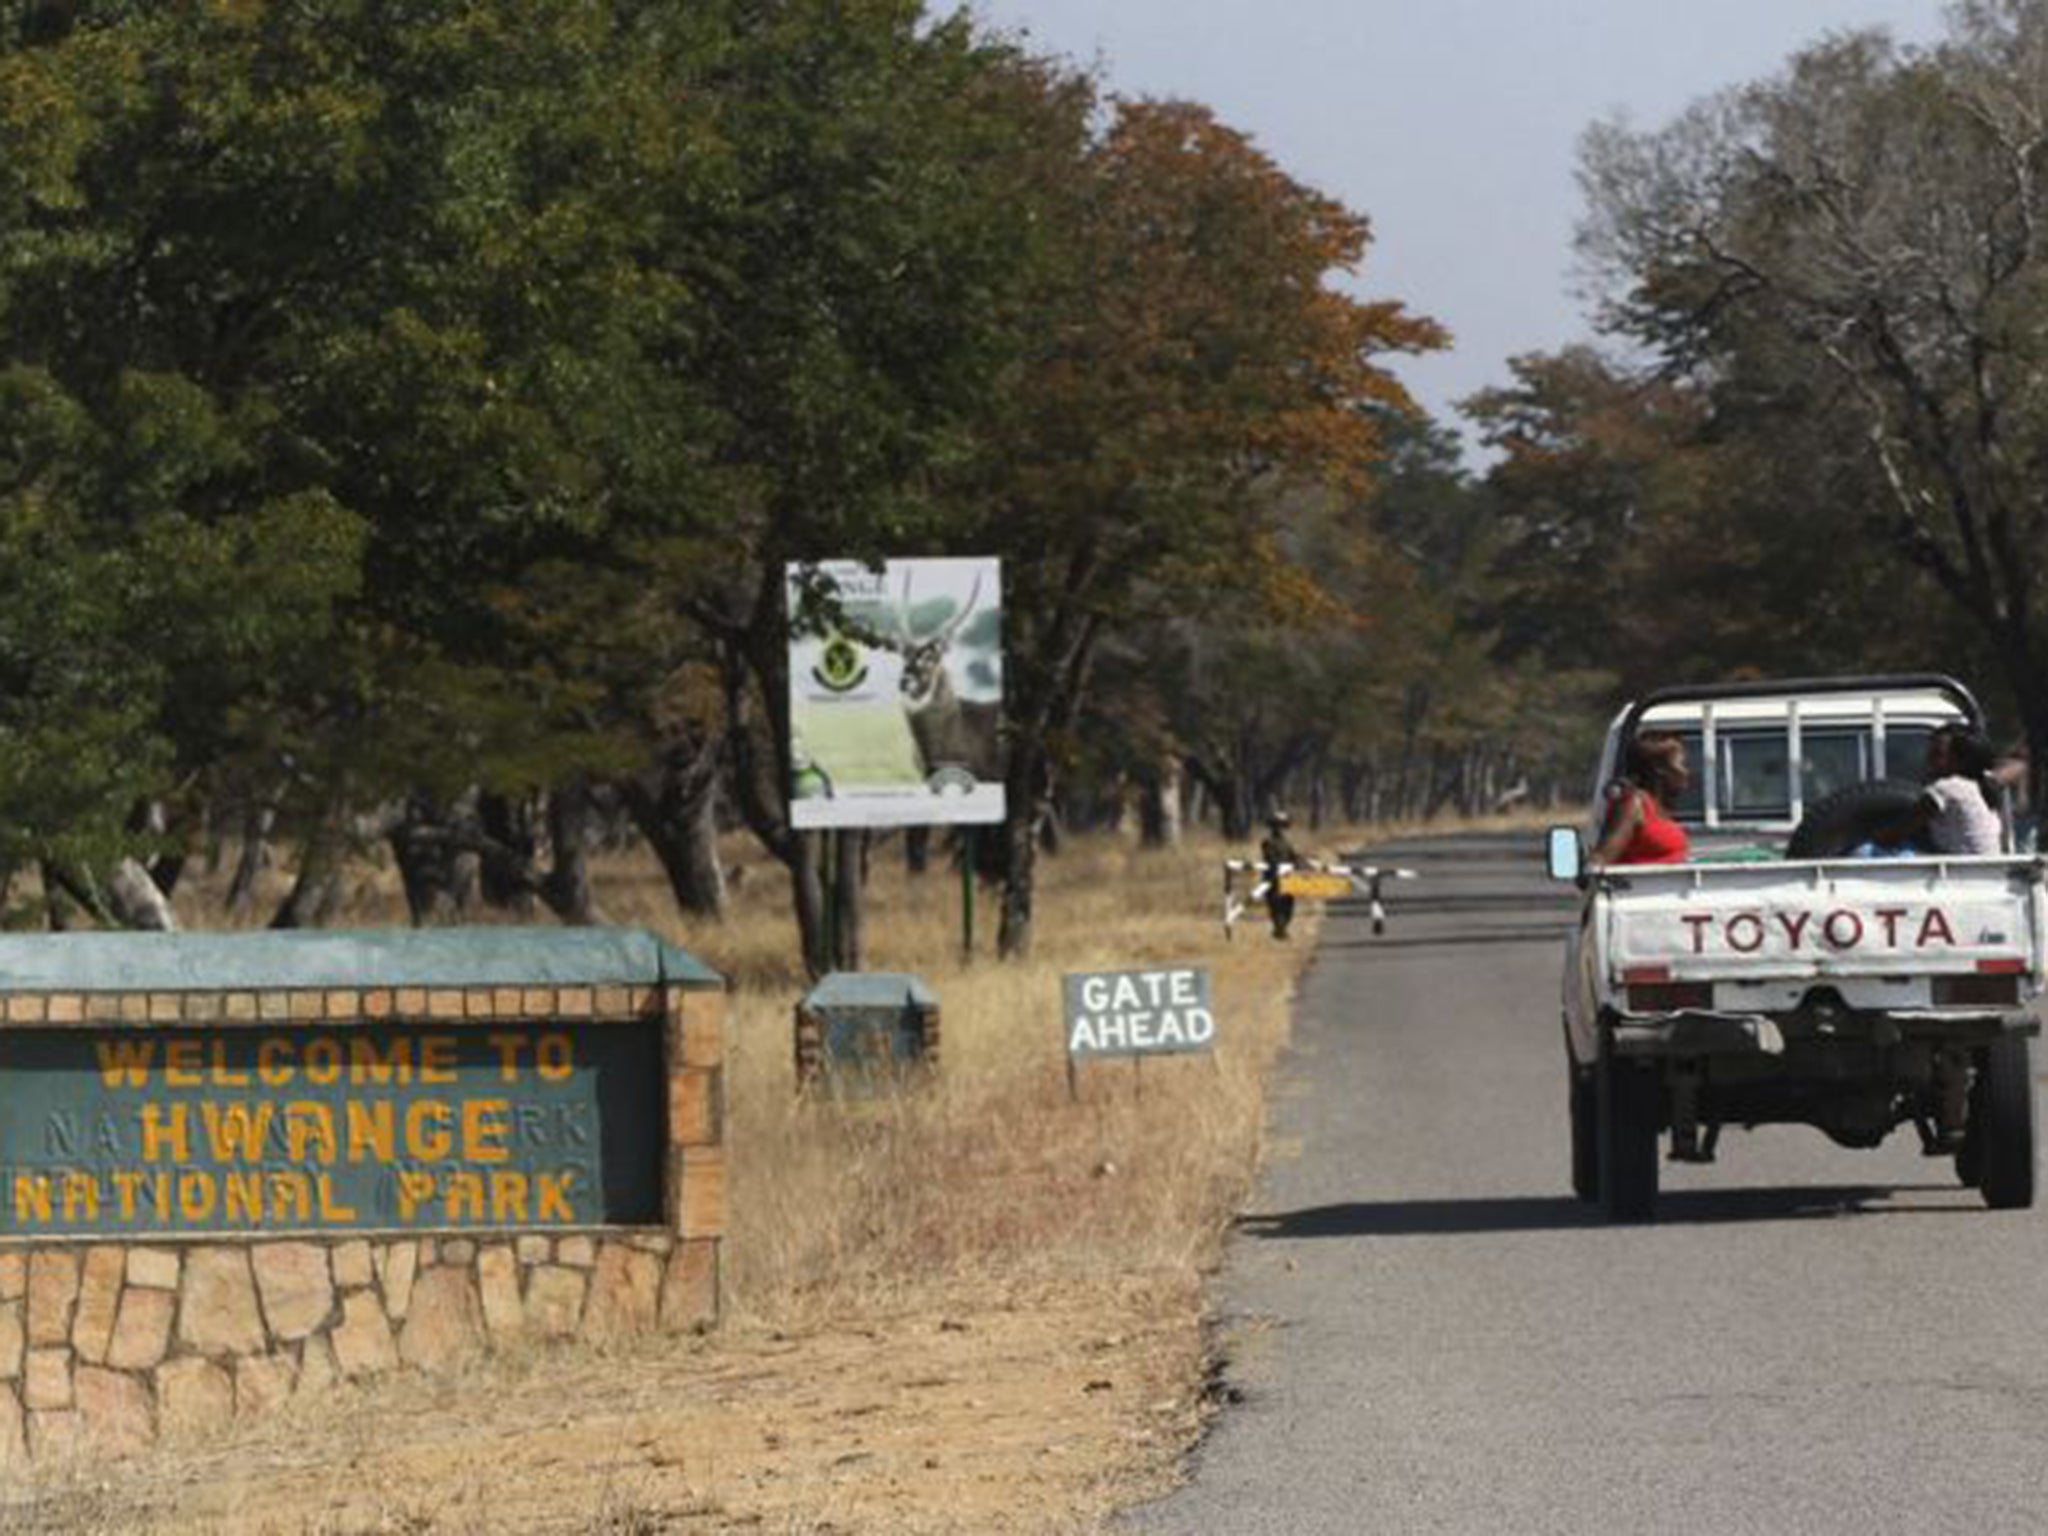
341 324
1845 263
406 400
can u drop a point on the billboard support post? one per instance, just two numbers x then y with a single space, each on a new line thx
967 894
828 878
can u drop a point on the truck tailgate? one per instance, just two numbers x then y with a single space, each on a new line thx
1848 918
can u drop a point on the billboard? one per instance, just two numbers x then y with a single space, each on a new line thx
895 693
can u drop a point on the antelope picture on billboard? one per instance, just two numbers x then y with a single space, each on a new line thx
896 693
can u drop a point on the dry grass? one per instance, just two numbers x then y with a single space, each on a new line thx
972 1306
992 1172
995 1174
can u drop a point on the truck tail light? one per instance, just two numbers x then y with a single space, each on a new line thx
1669 996
1997 990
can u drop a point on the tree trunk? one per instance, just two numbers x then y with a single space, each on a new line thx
165 868
1235 807
1220 781
675 806
807 887
1119 816
1021 827
2029 684
571 825
424 843
253 859
137 901
753 656
1020 838
59 911
315 895
846 897
505 869
1159 805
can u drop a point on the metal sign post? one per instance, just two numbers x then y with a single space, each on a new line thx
828 879
1163 1011
967 894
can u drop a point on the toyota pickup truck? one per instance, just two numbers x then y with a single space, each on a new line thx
1785 974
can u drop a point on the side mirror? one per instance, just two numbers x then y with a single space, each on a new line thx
1566 859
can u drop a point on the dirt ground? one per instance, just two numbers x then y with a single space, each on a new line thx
965 1412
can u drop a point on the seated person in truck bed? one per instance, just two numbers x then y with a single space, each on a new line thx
1639 828
1954 814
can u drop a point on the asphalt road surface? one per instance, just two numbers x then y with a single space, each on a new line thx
1429 1333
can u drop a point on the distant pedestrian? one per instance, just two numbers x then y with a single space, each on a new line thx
1277 853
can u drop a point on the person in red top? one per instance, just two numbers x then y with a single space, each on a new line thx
1639 827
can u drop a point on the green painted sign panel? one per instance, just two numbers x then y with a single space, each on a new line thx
126 1131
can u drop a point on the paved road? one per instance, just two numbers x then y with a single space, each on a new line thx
1430 1334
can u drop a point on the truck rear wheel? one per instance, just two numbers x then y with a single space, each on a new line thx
2002 1121
1585 1102
1631 1118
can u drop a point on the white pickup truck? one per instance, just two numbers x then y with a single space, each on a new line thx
1777 977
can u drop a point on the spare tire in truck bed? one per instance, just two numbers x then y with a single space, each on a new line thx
1845 819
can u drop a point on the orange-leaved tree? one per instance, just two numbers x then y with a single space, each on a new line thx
1188 352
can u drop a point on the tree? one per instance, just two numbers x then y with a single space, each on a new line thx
361 327
1858 240
1184 356
866 248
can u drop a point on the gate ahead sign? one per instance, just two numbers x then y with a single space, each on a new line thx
1139 1013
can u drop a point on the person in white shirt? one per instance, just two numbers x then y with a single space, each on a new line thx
1956 812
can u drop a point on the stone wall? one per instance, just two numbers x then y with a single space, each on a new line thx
110 1345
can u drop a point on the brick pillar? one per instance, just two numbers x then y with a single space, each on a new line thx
695 1169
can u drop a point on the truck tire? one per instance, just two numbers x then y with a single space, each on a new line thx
1838 822
1585 1103
2004 1100
1631 1115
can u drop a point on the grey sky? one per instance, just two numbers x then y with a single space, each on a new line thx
1453 124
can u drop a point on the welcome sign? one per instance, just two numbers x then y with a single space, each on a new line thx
1163 1011
304 1128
